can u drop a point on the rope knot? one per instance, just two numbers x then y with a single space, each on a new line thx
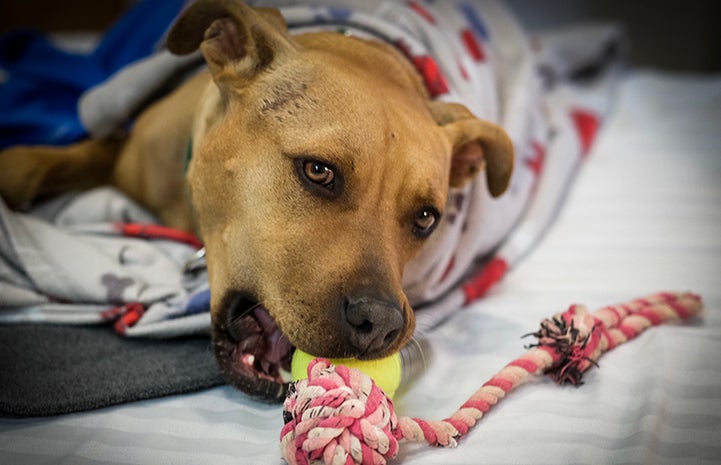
574 337
335 415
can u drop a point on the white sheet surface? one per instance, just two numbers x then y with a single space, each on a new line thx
644 215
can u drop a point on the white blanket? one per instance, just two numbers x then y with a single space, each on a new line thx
98 257
643 216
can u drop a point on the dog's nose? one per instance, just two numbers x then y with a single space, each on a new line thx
372 325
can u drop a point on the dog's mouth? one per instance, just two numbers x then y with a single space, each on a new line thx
252 352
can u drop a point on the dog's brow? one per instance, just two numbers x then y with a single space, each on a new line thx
282 94
432 196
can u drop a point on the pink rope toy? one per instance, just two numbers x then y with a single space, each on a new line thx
339 416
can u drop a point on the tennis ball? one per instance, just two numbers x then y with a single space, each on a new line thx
386 372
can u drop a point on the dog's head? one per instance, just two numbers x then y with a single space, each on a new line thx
321 167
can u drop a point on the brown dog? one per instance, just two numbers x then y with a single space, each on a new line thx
319 167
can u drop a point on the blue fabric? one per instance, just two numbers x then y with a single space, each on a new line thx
40 84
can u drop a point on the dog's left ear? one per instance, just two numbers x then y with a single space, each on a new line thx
235 39
476 143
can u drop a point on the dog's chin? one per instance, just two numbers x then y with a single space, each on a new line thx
252 352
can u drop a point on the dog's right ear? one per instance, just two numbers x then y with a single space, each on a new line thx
235 39
477 145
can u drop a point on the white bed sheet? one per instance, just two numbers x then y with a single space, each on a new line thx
644 215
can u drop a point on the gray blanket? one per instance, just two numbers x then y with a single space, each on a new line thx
52 369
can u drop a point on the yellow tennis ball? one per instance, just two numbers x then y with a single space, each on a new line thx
386 372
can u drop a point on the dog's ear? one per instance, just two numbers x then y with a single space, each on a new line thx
235 39
476 143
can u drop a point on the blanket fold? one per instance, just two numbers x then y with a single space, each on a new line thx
80 261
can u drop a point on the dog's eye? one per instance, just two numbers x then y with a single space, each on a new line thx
320 178
425 222
319 173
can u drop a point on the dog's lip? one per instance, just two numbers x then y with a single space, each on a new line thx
252 352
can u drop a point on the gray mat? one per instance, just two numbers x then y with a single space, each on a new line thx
51 370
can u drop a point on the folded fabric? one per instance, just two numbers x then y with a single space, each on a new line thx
98 257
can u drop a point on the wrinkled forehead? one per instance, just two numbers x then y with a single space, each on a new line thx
339 107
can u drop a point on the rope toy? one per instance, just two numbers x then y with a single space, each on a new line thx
339 416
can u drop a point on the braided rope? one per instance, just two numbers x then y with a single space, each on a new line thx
339 416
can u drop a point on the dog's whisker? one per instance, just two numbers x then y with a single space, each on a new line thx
413 359
246 312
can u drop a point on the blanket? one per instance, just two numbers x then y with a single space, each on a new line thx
54 369
98 257
76 262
